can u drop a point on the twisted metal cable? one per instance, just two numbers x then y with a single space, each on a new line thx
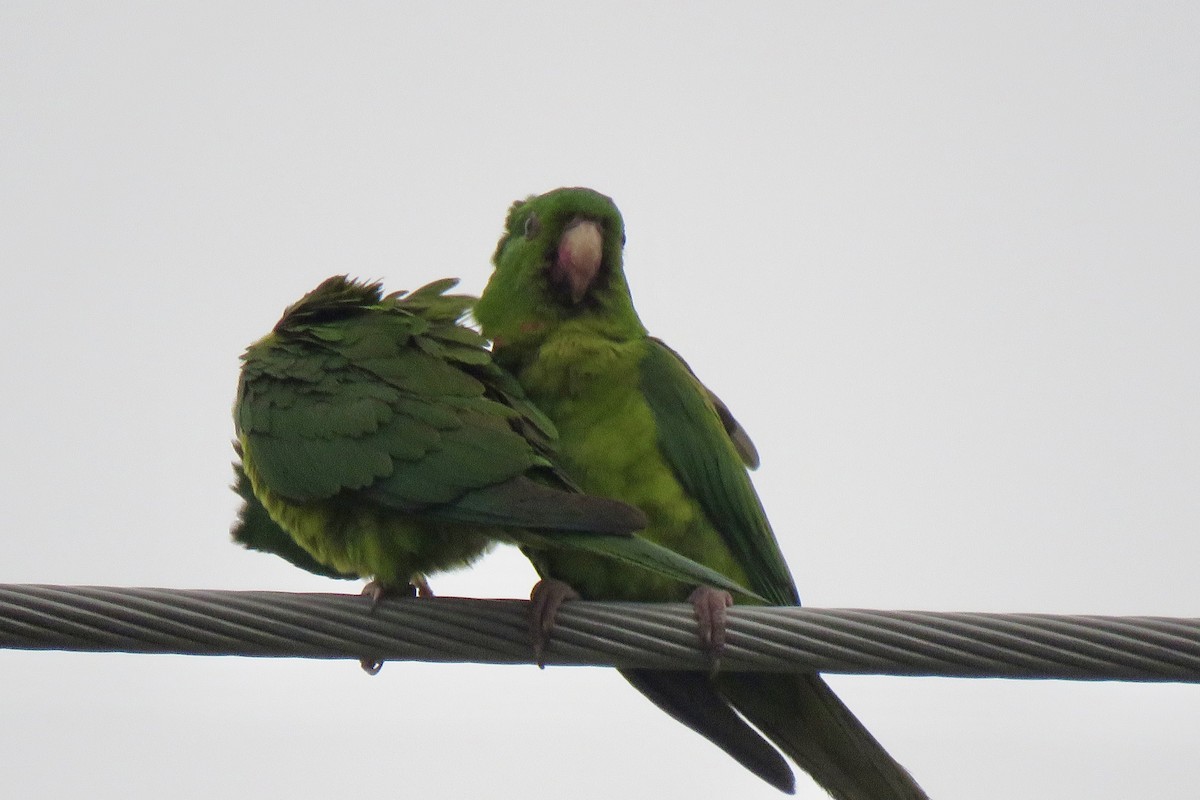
279 624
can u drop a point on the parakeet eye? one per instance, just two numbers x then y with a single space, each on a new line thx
532 226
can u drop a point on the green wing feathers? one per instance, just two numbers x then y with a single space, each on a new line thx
708 453
733 429
379 439
705 458
353 391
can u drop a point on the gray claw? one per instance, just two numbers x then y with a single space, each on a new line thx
709 605
547 597
377 592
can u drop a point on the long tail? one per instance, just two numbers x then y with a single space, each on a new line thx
691 698
802 715
799 713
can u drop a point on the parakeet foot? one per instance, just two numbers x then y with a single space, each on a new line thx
709 605
547 597
374 590
377 592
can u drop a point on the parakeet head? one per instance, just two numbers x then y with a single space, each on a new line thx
558 261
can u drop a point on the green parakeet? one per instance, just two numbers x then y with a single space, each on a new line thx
636 425
379 440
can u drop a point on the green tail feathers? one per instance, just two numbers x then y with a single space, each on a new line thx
798 714
255 530
805 719
691 698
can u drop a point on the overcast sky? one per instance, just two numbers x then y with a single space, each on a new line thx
942 260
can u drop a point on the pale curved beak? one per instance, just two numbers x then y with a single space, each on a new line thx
580 251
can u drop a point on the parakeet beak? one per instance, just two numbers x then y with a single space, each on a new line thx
580 251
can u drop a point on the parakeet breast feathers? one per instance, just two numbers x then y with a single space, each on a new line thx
608 437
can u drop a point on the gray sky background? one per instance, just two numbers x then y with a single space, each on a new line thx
943 261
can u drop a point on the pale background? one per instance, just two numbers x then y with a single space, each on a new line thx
943 261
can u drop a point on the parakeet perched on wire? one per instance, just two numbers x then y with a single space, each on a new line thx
636 425
379 440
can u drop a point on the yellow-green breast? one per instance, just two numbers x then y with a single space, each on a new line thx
589 386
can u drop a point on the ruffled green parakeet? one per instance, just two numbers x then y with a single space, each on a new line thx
379 440
636 425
